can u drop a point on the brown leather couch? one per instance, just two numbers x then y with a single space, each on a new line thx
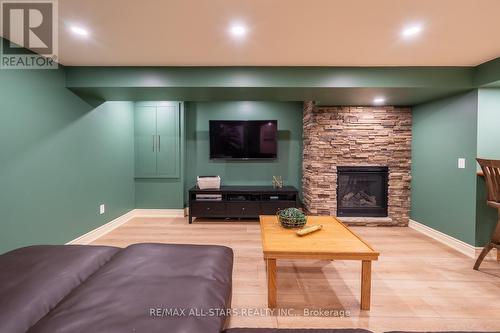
57 288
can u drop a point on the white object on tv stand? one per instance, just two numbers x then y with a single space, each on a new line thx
208 182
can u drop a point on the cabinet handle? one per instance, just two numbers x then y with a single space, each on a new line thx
159 142
153 142
243 208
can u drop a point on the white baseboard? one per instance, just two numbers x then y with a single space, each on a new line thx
457 244
159 213
452 242
92 235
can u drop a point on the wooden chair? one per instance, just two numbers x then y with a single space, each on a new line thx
491 171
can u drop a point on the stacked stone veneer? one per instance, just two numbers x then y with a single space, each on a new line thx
356 136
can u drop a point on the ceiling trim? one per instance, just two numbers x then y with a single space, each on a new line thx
487 74
325 85
282 77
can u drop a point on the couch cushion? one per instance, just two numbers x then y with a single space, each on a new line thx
34 279
121 295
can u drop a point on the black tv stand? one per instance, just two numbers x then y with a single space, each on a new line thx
242 201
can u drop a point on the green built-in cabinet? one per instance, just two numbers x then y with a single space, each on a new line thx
157 139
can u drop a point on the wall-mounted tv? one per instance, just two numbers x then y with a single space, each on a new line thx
248 139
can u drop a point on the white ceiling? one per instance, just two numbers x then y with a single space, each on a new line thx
281 32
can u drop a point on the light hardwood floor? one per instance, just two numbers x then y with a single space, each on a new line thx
418 283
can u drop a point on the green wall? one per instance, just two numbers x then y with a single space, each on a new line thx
289 161
159 193
443 196
488 146
488 136
59 159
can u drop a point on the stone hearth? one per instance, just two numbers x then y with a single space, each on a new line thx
356 136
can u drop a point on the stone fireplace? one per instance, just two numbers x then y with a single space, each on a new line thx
362 191
338 144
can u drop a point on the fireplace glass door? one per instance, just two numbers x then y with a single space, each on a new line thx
362 191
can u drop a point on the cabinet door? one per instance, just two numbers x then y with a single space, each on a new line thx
168 131
145 141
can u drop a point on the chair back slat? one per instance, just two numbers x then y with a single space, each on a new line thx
491 171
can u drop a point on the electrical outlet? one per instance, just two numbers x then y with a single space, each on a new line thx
461 163
102 209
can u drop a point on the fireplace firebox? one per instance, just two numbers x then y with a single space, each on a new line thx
362 191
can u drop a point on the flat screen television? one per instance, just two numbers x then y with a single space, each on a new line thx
248 139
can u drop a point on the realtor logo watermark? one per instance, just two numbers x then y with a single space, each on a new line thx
29 30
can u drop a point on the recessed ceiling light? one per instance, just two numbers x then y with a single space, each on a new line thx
79 31
238 30
411 30
379 100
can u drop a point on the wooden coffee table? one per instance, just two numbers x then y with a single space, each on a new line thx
334 242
